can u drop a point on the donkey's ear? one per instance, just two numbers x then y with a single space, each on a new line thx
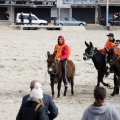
87 44
91 45
48 53
55 52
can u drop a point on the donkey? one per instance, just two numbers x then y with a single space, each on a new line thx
55 71
98 59
114 61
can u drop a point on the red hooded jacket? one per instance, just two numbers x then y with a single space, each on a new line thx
63 51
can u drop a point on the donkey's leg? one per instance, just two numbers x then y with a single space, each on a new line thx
52 84
72 84
116 87
100 78
59 87
66 87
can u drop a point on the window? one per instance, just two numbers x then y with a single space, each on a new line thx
34 18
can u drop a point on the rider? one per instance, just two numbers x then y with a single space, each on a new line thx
109 46
63 52
117 51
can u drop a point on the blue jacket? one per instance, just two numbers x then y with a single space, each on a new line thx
51 109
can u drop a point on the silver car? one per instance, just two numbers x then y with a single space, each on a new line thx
69 22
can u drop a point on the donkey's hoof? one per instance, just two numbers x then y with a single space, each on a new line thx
58 96
72 92
112 94
53 96
109 86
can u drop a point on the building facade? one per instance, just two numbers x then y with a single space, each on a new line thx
85 10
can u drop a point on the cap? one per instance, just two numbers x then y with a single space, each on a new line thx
110 35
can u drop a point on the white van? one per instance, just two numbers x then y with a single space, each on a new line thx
35 20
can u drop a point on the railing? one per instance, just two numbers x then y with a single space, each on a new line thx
80 1
110 1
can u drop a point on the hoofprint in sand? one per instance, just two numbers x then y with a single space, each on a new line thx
23 59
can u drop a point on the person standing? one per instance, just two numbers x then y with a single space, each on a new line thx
51 109
34 108
22 18
7 15
30 18
100 109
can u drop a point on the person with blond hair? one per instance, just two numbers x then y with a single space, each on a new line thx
34 108
51 109
100 109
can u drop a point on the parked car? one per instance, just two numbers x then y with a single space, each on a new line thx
69 22
111 20
35 19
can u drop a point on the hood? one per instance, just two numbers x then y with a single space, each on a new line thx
99 110
63 40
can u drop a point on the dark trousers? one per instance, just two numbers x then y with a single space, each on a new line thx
30 22
115 82
64 75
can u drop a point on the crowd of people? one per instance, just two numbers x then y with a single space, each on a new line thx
40 106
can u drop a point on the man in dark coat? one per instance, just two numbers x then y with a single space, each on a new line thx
51 109
7 15
30 18
22 18
34 108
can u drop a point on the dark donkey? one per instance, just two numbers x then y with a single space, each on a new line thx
55 70
98 59
114 62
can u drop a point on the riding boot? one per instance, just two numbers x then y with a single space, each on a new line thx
64 62
107 67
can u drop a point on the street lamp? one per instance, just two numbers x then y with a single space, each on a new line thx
59 12
107 12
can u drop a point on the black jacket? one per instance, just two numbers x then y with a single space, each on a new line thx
51 109
27 111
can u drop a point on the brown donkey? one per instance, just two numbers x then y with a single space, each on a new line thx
55 71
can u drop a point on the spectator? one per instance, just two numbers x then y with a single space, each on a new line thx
7 15
34 108
22 18
100 110
30 18
51 109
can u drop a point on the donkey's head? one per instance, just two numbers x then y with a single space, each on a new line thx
89 51
52 63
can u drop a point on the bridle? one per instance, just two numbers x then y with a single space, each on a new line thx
93 51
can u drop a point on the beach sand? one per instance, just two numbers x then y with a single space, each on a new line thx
23 59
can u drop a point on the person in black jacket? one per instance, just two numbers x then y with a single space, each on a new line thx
7 15
51 109
30 18
33 109
22 18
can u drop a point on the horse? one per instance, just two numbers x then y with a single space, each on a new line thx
114 62
55 71
98 59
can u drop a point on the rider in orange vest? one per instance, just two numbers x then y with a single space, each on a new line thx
109 46
63 52
117 51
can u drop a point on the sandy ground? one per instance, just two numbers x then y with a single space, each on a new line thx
23 58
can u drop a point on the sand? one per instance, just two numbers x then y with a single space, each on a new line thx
23 59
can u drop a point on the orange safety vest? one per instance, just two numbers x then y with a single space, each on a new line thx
59 48
117 51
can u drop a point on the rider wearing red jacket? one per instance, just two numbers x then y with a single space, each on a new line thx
63 52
